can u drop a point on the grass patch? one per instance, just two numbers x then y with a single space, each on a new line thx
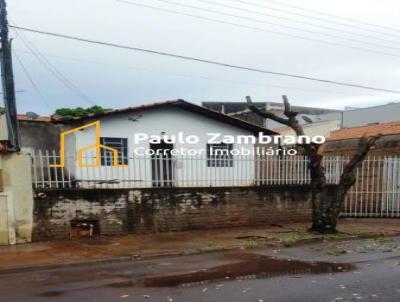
382 240
251 244
336 253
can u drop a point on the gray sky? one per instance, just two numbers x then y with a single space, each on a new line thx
120 78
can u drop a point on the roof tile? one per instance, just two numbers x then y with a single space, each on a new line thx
367 130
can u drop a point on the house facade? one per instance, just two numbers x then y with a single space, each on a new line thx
169 144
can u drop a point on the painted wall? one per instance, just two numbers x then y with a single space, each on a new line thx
170 121
17 198
3 128
321 128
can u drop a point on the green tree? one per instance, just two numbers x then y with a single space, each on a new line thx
79 111
2 110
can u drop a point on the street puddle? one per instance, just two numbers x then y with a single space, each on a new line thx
250 266
52 294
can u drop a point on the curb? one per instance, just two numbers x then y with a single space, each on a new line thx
132 258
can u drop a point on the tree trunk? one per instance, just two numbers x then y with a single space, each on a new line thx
326 200
326 205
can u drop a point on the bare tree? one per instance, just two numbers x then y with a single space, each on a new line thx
326 201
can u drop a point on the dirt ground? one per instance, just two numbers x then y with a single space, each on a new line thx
183 243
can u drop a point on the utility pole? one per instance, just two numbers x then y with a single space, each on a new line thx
8 81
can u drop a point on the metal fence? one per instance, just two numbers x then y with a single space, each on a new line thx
375 194
173 171
377 190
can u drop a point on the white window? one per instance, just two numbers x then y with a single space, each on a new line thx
120 144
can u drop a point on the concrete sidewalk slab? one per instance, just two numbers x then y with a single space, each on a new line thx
47 254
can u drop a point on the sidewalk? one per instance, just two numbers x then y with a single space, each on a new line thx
47 254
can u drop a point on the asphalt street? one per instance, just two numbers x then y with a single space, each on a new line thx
362 270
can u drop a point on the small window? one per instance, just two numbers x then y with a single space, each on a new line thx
219 155
120 144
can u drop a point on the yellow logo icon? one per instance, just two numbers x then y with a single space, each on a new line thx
97 147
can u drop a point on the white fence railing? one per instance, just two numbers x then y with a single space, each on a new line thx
179 171
376 192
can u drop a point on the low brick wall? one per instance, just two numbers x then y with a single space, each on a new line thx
122 211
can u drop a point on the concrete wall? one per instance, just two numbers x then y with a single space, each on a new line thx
377 114
321 128
36 135
3 128
16 200
121 211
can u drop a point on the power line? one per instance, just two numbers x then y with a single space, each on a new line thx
296 21
258 29
197 76
332 15
268 22
315 18
211 62
55 71
34 85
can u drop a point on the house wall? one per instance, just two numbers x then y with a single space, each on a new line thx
16 199
39 136
170 121
123 211
3 128
377 114
321 128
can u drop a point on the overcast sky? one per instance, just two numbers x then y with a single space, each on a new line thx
117 78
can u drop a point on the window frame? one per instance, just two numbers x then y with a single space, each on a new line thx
219 160
106 156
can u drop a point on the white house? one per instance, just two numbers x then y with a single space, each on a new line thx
129 132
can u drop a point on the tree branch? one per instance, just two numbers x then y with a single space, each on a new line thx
288 108
347 179
266 114
311 150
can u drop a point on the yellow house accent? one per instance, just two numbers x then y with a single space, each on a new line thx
97 147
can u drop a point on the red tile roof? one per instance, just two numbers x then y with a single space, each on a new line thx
368 130
24 117
180 104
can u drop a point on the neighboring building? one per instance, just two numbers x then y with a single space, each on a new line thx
320 128
36 132
376 114
16 196
306 114
377 190
345 141
161 119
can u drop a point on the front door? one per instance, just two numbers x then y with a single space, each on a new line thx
162 171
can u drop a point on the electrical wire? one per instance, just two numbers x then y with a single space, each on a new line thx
196 76
211 62
258 29
296 21
314 18
271 23
332 15
54 70
34 85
